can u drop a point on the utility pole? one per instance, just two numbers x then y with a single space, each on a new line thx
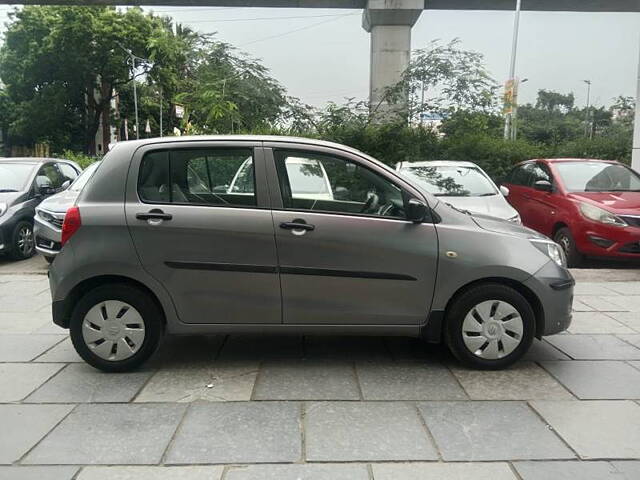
160 111
586 117
512 66
133 59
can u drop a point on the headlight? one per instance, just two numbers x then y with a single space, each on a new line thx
515 219
3 208
551 250
600 215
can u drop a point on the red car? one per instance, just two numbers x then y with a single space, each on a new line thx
589 207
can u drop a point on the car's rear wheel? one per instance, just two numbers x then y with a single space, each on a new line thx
489 326
116 327
22 241
564 238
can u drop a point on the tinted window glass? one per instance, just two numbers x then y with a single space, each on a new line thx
598 177
199 177
49 175
68 172
84 177
213 177
331 184
521 175
153 179
539 172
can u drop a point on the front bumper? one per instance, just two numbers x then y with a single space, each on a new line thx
553 285
600 240
47 236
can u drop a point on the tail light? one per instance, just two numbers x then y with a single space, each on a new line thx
71 224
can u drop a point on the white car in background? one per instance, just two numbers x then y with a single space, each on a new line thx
464 185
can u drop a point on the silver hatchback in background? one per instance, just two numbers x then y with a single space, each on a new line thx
50 215
464 184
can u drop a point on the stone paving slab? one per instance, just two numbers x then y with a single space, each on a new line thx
571 470
238 432
80 383
596 380
38 473
443 471
307 380
346 348
631 469
299 472
604 303
630 303
220 381
109 434
631 339
20 379
594 347
250 347
472 431
408 381
151 473
63 352
363 431
22 322
523 381
596 429
542 350
595 323
630 319
22 426
25 347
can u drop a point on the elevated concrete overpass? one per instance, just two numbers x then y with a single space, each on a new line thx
390 21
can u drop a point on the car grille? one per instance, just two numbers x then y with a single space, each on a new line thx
631 220
53 218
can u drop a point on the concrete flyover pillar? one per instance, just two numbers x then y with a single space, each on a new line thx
390 23
635 159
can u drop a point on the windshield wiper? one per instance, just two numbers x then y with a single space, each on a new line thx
7 190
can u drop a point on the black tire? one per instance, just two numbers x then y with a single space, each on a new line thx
22 232
564 238
149 311
468 300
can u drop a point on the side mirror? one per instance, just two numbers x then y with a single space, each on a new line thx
543 186
46 190
65 185
504 191
416 210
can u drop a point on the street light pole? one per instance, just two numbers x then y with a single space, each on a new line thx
514 126
135 95
512 66
586 117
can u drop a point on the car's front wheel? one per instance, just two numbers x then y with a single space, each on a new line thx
564 238
490 326
116 327
22 240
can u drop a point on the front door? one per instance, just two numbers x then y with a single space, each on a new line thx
347 254
209 243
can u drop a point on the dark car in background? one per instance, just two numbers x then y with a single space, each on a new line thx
50 215
589 207
24 183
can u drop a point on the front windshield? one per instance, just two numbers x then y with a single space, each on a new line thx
452 181
14 176
598 177
84 177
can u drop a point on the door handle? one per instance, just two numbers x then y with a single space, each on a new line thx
297 226
154 214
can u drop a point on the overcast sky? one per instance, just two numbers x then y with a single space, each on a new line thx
321 55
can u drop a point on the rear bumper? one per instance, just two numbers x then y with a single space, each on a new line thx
553 286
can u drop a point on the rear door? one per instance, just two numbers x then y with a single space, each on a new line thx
347 254
210 245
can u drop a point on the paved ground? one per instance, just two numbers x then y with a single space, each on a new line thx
314 408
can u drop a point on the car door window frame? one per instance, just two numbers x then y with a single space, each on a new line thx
275 193
261 191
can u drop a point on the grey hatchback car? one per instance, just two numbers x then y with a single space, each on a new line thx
158 243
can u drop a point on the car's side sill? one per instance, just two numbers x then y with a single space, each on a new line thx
294 329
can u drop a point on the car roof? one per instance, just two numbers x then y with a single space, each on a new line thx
562 160
439 163
32 160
